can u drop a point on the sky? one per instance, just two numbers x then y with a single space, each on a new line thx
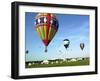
71 26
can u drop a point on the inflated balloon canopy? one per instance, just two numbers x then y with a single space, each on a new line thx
82 46
66 43
46 26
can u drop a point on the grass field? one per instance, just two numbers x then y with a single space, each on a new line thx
64 63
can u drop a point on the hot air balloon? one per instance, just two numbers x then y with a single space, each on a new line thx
46 25
66 43
26 51
82 46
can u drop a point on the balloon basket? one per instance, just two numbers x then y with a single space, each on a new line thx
45 49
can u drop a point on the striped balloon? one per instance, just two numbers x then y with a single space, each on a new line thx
46 26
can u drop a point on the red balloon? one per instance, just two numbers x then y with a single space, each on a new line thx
46 25
82 46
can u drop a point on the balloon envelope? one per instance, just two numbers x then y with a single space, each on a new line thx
46 25
26 51
66 43
82 46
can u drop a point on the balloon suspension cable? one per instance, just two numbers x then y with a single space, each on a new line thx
46 49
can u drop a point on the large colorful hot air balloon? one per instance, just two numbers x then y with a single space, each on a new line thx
82 46
66 43
46 25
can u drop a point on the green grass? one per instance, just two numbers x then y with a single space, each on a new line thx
76 63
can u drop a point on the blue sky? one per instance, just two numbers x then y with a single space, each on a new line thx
72 27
